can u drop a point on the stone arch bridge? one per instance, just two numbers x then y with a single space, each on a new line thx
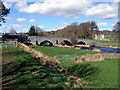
56 40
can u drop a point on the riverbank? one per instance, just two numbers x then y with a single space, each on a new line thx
86 46
109 46
108 49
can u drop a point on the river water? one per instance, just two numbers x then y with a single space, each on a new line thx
102 49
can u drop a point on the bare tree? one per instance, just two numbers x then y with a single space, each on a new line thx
73 39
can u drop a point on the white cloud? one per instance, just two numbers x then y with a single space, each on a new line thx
66 8
21 19
25 30
55 29
9 18
7 4
16 26
4 26
113 24
32 20
102 24
76 17
65 24
41 27
61 26
103 10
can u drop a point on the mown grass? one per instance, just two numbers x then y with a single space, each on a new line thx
54 51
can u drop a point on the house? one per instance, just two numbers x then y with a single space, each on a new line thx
100 37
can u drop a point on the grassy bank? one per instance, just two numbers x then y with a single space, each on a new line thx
21 70
107 45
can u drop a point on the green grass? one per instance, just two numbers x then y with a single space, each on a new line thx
53 51
10 45
111 38
108 77
109 45
101 74
107 41
27 72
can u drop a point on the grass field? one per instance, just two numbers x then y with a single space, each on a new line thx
106 41
111 38
53 51
106 72
21 70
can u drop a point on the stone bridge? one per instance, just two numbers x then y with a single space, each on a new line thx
56 40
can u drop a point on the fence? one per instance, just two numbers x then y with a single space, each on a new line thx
68 58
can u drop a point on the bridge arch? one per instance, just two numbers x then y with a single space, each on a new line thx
66 42
82 43
46 43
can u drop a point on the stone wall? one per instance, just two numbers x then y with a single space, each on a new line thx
96 57
38 55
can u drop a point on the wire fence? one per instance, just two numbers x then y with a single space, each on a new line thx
67 58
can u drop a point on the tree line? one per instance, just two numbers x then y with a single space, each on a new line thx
82 30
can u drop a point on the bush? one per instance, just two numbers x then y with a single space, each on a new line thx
83 70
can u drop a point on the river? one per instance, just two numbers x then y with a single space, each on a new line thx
102 49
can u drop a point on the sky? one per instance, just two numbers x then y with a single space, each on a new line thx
51 15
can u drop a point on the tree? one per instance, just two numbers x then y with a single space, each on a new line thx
38 30
93 26
117 29
73 39
82 30
32 31
12 31
35 31
117 26
3 12
88 28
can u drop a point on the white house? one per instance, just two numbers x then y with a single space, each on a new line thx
100 37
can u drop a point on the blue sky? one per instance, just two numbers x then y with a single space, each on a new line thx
51 15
